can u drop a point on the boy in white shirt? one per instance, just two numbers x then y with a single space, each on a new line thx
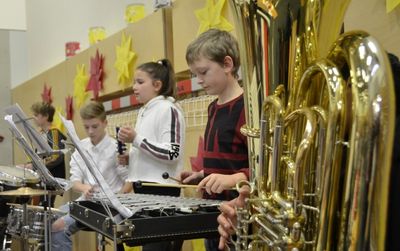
101 148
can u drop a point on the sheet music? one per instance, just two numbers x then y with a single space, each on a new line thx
44 173
124 211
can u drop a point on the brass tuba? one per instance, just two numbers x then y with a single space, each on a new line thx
320 125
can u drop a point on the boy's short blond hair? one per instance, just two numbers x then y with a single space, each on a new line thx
214 45
93 110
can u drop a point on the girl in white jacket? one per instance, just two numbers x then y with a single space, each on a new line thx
159 133
157 138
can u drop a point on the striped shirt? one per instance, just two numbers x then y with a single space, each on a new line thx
55 162
225 148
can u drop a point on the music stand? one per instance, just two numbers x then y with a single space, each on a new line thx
38 147
18 122
22 122
99 178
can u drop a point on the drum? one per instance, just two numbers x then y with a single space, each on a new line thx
35 221
17 176
12 243
15 220
12 178
37 228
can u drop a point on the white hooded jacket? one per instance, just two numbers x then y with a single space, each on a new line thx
158 145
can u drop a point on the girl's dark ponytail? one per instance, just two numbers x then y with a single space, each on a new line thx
161 70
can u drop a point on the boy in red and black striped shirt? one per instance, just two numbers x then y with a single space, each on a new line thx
214 58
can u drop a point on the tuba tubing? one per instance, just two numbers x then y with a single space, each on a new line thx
320 121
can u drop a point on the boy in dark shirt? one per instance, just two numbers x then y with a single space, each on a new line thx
214 58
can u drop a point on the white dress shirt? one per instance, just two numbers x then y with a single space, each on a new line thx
105 157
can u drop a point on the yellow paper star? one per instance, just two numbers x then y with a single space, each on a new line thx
57 123
210 17
96 34
134 13
80 81
124 60
391 4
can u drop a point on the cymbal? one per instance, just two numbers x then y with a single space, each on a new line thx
24 191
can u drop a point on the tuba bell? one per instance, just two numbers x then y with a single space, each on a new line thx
320 117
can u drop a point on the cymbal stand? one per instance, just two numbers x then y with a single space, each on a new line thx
47 218
25 225
47 212
24 228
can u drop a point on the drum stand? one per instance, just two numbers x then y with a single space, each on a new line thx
47 215
25 228
47 218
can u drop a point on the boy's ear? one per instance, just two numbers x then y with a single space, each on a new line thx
228 64
157 85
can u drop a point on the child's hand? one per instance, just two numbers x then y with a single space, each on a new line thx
126 134
189 177
87 191
123 159
227 218
216 183
127 188
27 166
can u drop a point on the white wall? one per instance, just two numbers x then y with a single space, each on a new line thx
12 15
50 24
6 153
18 57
